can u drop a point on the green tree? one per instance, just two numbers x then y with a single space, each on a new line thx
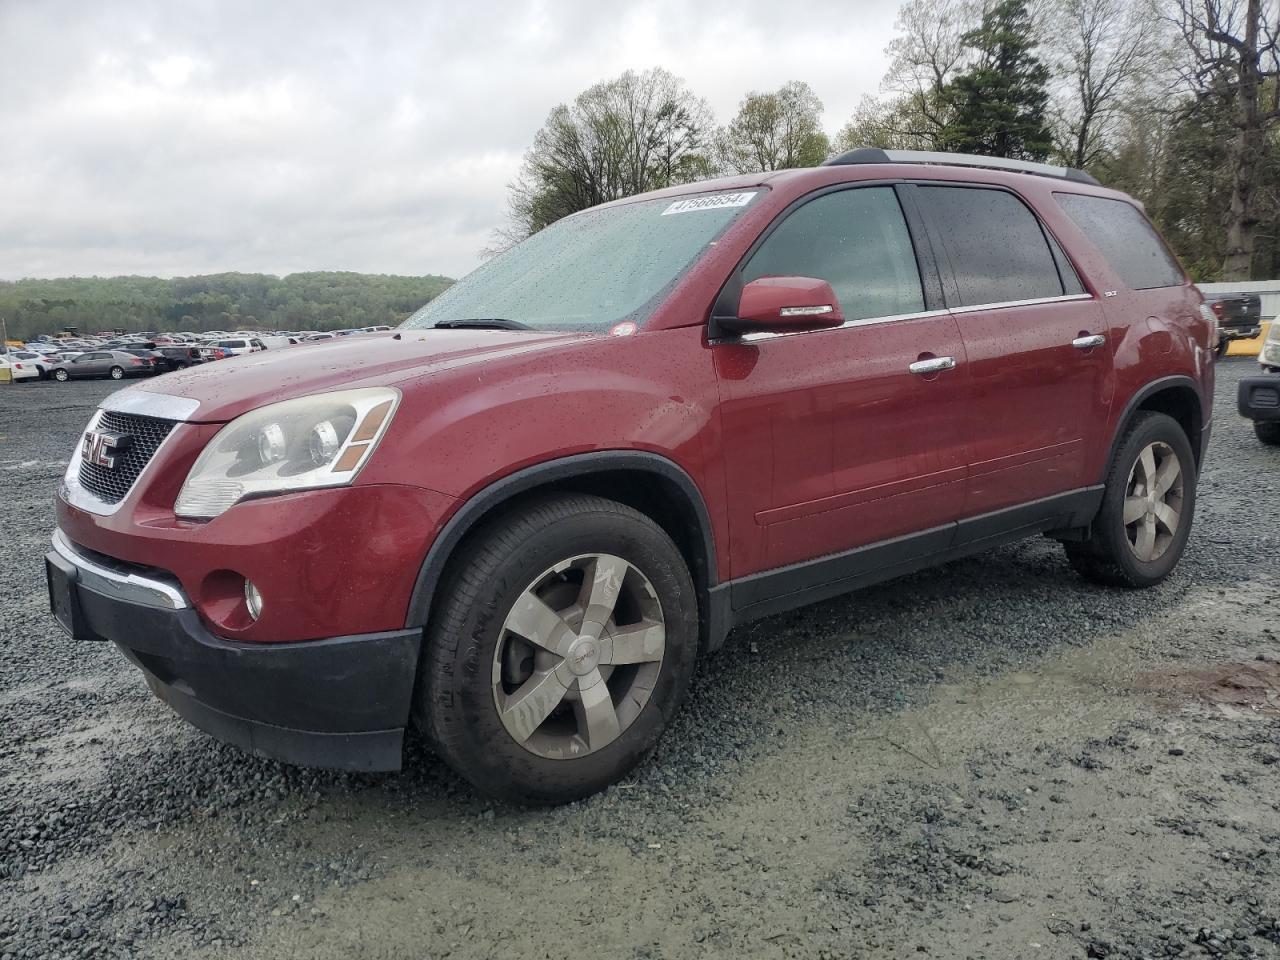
775 131
997 107
637 132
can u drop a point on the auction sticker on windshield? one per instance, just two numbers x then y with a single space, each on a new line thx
710 203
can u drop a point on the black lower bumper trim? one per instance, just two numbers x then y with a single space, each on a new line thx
1258 398
369 751
341 702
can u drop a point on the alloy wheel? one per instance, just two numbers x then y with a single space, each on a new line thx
578 657
1153 501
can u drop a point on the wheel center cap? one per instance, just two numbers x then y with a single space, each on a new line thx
584 656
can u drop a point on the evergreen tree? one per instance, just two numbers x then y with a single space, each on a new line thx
997 106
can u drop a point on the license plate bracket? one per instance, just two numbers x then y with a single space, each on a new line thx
64 598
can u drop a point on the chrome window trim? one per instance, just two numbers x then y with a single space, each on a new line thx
848 324
144 403
79 496
1034 301
870 321
121 584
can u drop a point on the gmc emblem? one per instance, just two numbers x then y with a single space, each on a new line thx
99 447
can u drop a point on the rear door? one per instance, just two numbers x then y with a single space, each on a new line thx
831 441
1036 344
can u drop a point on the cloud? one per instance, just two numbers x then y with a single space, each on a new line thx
189 136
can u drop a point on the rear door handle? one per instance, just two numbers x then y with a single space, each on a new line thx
1088 343
933 365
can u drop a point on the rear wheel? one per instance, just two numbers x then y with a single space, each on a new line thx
61 376
117 373
1222 347
563 644
1142 526
1268 431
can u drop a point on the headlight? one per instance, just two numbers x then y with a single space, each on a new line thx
1273 333
303 444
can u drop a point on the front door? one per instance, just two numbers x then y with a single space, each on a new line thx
1036 343
831 441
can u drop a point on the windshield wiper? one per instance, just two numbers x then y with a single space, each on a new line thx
482 323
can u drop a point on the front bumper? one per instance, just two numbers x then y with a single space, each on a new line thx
341 702
1258 398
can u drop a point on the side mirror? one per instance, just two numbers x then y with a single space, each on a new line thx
785 304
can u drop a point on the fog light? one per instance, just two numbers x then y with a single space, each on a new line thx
252 600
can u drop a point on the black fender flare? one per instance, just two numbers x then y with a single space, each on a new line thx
1141 396
482 503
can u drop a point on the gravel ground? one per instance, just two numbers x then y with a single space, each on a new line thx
991 759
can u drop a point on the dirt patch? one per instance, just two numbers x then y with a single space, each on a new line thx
1236 689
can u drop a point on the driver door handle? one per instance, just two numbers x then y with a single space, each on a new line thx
933 365
1089 342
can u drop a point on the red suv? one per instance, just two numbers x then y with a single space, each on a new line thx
518 520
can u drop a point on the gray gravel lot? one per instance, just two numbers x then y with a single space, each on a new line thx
992 759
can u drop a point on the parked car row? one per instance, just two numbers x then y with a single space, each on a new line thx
120 357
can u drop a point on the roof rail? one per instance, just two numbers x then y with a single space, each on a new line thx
876 155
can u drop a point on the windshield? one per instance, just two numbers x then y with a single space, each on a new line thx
593 269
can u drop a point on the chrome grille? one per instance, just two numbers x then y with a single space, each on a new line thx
112 484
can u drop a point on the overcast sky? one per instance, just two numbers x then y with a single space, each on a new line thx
176 137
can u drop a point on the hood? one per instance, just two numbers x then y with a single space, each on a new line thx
224 389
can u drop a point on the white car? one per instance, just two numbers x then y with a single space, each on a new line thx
19 369
43 362
239 346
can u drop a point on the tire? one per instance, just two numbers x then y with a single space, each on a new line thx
1109 556
1268 431
1221 350
61 376
471 658
116 373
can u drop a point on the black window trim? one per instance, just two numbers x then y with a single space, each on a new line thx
951 290
726 301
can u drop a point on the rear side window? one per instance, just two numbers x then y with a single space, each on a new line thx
1123 235
857 241
232 344
997 248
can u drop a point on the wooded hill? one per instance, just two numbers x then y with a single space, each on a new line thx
222 301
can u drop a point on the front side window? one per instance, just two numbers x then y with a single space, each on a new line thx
591 270
857 241
1123 235
996 246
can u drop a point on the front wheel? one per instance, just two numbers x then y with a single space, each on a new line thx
563 643
1142 526
117 373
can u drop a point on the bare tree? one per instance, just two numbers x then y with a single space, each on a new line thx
1100 51
1232 54
927 53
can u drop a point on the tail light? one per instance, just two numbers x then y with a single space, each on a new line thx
138 360
17 366
1210 315
1217 308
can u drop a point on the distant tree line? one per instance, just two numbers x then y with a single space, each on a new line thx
223 301
1175 101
